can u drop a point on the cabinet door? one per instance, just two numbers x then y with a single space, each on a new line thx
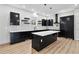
14 18
67 26
43 42
63 23
70 23
16 37
46 40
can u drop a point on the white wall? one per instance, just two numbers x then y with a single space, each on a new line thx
76 24
4 23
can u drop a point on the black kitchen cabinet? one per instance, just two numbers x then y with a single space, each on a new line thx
14 18
50 22
40 42
17 37
46 22
67 26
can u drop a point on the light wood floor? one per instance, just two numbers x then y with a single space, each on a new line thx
61 46
18 48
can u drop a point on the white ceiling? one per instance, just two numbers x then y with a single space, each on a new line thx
41 8
46 9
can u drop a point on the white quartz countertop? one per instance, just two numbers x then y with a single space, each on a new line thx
23 30
19 30
44 33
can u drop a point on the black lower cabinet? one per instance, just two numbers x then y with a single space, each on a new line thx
62 33
70 35
18 37
40 42
66 34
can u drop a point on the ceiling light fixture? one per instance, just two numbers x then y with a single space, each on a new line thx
45 4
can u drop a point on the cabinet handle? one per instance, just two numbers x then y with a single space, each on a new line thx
41 40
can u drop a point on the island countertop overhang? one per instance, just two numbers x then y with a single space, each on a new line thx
44 33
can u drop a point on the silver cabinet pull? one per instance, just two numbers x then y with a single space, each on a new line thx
41 40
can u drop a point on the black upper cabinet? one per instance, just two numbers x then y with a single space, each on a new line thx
44 22
47 22
51 22
14 18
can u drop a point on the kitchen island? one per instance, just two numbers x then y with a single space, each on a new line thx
42 39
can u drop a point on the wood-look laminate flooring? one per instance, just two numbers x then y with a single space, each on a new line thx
61 46
18 48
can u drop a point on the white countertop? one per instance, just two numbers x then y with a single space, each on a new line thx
23 30
19 30
44 33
